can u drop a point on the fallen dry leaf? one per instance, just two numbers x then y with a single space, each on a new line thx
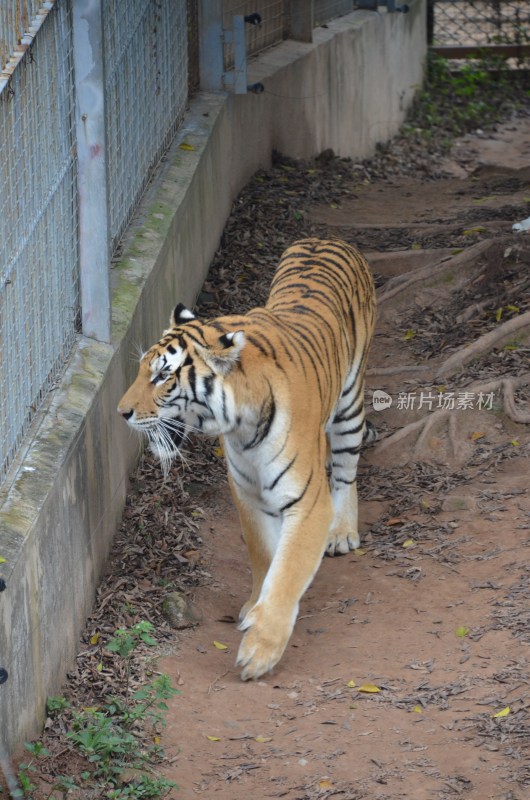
503 713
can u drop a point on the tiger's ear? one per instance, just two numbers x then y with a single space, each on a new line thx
181 315
234 339
230 347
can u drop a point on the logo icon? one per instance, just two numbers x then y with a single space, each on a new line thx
381 400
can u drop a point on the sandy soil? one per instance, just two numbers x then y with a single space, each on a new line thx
432 613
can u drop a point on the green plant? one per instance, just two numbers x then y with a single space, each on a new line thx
148 703
26 787
114 738
54 705
144 787
454 100
125 640
104 742
64 784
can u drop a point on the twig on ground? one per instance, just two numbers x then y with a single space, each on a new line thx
212 686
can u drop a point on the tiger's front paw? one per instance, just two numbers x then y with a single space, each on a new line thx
340 543
263 644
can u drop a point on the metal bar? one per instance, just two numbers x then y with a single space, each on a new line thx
239 81
430 22
302 20
519 51
211 63
94 248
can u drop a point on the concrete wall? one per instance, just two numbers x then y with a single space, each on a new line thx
347 90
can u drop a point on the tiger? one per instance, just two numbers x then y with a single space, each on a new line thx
283 387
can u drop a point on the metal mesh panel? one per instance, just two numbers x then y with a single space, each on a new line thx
324 10
271 30
146 84
481 22
193 47
16 17
39 287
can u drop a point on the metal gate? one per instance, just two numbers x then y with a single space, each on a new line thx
460 28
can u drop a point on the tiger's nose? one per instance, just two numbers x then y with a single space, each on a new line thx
125 412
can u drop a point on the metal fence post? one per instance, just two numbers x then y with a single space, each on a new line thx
94 248
430 22
302 15
211 61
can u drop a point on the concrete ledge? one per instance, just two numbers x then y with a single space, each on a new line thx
64 498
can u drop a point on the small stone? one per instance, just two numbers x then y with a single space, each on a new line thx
179 612
457 503
132 775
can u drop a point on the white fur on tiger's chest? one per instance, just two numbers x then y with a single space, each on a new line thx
259 474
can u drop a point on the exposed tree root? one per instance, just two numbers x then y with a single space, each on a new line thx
425 425
376 371
471 263
453 435
514 412
483 344
471 311
458 262
430 422
463 355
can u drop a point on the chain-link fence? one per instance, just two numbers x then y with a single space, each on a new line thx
479 23
275 20
145 95
193 46
271 28
150 53
39 289
146 90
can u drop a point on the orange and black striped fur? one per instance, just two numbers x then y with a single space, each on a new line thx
275 384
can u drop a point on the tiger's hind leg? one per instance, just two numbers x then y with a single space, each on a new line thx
346 433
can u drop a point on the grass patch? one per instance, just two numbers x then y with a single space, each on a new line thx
107 750
453 101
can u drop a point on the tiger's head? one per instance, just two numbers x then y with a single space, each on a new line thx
181 383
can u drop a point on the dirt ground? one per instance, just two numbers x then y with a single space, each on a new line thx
433 613
408 672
